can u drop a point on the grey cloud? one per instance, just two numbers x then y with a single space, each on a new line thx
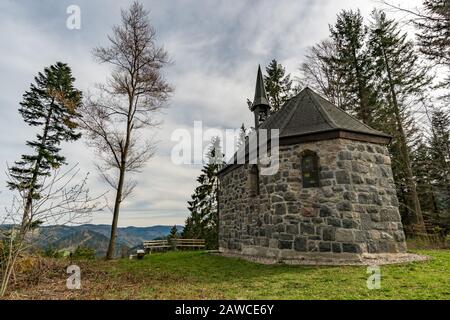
216 46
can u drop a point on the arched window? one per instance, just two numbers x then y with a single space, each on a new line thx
310 169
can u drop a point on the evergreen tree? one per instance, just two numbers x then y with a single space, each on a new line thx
400 80
422 166
400 173
434 36
173 233
352 64
431 167
440 158
242 136
51 106
203 220
278 85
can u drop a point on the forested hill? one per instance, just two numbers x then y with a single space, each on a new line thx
96 237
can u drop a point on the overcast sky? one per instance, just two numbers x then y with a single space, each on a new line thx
216 47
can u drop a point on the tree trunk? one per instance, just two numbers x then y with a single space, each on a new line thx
417 217
218 212
29 199
118 201
119 193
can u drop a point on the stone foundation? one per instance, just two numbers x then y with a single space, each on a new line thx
327 259
354 211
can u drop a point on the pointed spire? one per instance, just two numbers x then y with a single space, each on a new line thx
260 92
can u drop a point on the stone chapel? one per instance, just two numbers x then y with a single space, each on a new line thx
333 197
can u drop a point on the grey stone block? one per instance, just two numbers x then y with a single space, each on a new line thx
336 247
300 244
334 222
328 233
284 244
342 177
344 235
306 228
351 248
324 246
292 228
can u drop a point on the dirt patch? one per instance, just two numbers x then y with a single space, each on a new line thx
45 278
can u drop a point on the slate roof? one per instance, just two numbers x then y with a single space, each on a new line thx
310 117
309 113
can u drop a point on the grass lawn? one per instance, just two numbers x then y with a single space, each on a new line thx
199 275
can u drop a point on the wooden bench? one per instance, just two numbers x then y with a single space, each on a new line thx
189 243
162 245
156 245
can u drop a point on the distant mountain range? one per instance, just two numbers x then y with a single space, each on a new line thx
96 237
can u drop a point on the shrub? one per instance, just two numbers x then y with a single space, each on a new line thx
51 253
84 253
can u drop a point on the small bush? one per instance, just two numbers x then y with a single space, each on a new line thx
84 253
52 253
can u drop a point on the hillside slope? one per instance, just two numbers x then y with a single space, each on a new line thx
96 237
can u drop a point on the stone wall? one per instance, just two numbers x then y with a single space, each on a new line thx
354 211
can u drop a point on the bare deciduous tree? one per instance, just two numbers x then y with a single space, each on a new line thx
63 200
126 104
318 73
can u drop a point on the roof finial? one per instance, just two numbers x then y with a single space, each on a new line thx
260 92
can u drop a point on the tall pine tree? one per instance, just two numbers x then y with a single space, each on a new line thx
203 220
434 35
51 106
440 158
400 80
278 85
352 65
422 167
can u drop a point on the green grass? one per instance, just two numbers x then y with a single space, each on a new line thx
199 275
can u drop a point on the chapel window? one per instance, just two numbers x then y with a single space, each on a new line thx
310 169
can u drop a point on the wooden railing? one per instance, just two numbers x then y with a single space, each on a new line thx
163 245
